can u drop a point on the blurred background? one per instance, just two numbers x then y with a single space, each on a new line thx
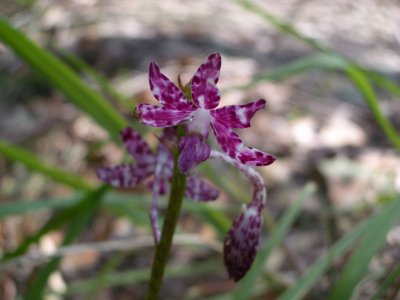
334 151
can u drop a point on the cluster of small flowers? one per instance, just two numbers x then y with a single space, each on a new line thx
198 112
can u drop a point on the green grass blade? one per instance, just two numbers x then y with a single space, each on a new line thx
140 275
313 62
79 219
215 218
16 208
361 81
370 243
354 72
288 29
101 81
389 281
314 273
280 24
137 215
63 78
383 82
247 284
55 222
35 164
132 206
113 200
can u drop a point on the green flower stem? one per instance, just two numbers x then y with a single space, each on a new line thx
171 219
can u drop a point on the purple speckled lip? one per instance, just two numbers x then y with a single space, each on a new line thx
242 241
201 113
193 150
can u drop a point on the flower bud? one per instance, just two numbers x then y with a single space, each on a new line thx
241 243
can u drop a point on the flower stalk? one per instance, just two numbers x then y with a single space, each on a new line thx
171 219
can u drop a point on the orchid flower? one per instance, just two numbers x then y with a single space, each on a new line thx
148 163
200 113
242 241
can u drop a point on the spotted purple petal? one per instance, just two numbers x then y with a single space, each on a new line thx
200 190
122 176
169 95
232 145
237 116
205 93
193 150
138 148
159 116
241 243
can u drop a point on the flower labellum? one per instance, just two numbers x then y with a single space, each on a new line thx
242 240
193 151
241 243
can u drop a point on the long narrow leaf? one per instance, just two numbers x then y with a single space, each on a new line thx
383 82
215 218
63 78
365 88
371 242
287 28
389 281
78 221
101 81
15 208
112 200
55 222
303 285
281 25
135 276
318 61
247 284
35 164
355 72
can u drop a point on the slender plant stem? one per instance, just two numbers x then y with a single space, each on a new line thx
171 219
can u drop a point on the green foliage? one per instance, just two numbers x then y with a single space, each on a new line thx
141 275
80 216
361 81
388 282
61 218
369 244
35 164
317 61
281 25
387 216
63 78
